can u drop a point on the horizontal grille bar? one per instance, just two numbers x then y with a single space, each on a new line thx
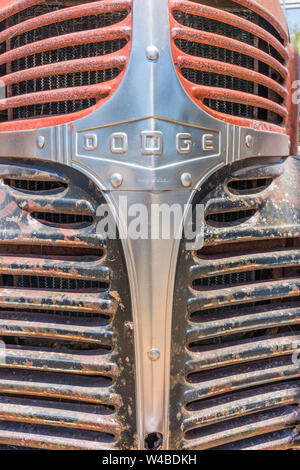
96 389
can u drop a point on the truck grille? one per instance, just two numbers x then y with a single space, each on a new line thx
67 367
57 59
236 384
232 60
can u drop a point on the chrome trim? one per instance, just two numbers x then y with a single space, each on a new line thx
149 101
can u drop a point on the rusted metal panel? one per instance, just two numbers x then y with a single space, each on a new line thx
65 317
234 383
293 106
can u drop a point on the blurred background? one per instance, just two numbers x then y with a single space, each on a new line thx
292 11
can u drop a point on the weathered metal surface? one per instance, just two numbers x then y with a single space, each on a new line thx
234 383
293 105
65 317
277 40
74 340
100 92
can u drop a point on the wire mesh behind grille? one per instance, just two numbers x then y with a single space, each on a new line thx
190 19
115 38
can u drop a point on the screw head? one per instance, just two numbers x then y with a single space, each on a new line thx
116 180
154 355
249 141
186 180
40 141
152 52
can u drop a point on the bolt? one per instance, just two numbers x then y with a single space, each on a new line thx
116 180
152 52
40 141
154 355
186 179
249 141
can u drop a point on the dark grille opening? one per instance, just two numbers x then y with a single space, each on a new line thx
98 409
249 186
197 346
51 283
34 185
227 312
57 252
227 219
57 345
262 245
62 219
223 29
217 80
235 278
153 441
51 378
52 109
101 318
244 111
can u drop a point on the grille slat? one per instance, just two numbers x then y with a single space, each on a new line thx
67 387
52 327
52 414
